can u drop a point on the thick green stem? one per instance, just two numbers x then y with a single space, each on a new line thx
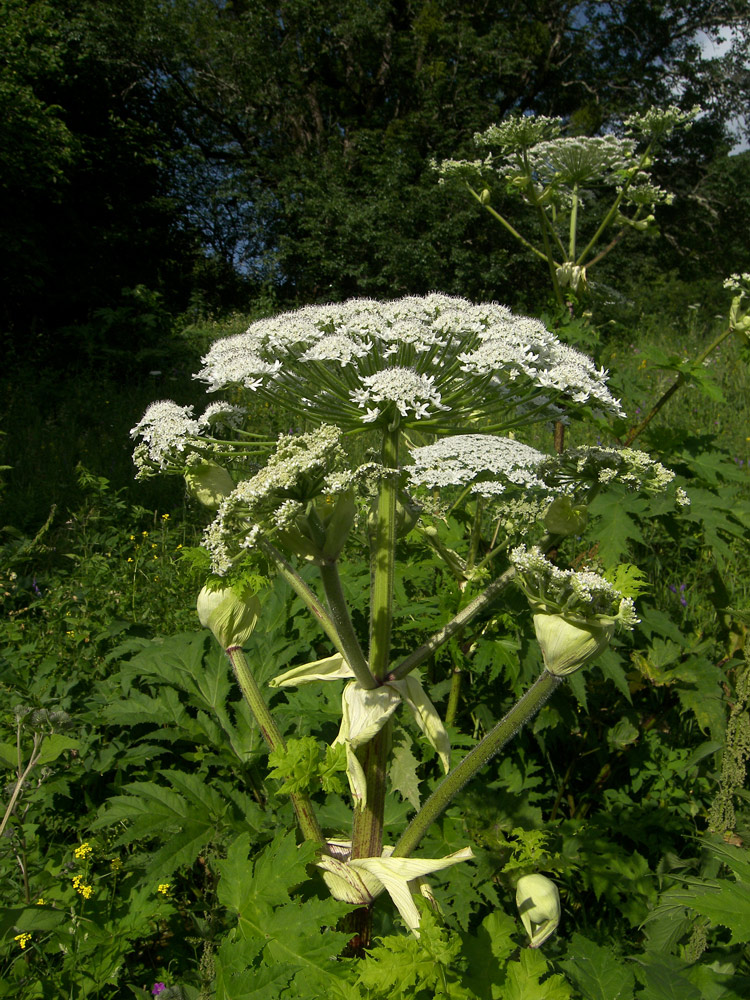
494 741
308 823
344 627
383 558
367 833
573 225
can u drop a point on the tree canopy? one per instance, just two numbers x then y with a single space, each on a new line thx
206 148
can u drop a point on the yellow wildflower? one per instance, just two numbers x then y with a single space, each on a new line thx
23 939
115 864
164 888
83 851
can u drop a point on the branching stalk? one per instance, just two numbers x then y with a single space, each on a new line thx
303 807
493 742
344 627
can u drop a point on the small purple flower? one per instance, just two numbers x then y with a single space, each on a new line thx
681 592
35 587
158 988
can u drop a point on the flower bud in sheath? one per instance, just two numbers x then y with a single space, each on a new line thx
208 482
568 645
575 612
563 517
538 903
229 616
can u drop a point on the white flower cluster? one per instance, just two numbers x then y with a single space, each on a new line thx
166 429
593 464
434 361
531 147
519 132
659 122
302 468
581 160
410 391
487 463
738 283
222 416
583 597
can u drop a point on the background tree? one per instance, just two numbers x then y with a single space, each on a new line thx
200 149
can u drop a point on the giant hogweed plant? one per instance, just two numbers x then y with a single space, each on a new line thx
563 180
437 390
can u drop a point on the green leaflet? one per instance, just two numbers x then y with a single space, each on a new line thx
280 929
597 972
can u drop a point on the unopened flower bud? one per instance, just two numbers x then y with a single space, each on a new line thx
485 197
229 616
209 483
563 517
567 645
538 902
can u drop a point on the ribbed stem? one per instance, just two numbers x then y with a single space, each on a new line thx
367 833
383 560
494 741
344 627
308 823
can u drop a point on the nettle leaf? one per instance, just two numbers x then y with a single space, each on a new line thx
725 903
8 755
597 972
403 774
662 979
720 516
524 980
705 696
163 709
292 933
53 745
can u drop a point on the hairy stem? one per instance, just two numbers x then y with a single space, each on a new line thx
494 741
383 560
303 807
341 618
454 695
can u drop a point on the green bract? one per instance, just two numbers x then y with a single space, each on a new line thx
568 645
208 482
